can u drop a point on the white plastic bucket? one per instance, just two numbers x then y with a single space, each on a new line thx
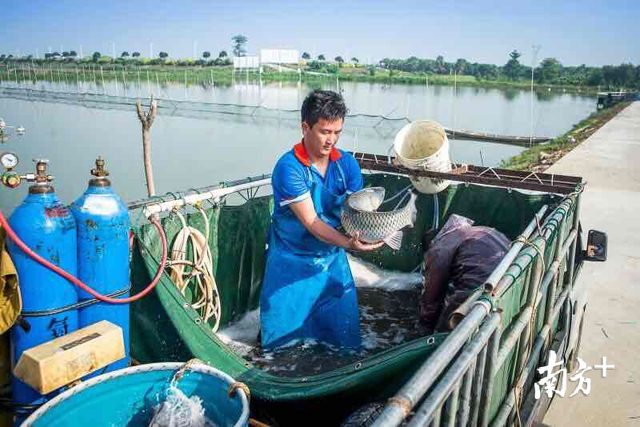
424 145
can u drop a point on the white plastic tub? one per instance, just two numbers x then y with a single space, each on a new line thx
424 145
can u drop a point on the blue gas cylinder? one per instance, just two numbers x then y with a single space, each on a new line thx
103 255
49 229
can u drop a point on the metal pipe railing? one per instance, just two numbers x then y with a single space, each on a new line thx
544 335
190 199
465 391
572 256
451 380
490 376
525 316
553 285
555 269
437 418
499 271
137 204
398 409
479 380
508 278
450 407
534 297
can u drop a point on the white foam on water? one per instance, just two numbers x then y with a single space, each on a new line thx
178 410
242 335
366 274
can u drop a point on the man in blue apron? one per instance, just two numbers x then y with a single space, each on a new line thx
308 291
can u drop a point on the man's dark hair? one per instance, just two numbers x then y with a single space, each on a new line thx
323 104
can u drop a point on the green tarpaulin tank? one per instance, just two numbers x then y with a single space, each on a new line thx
166 328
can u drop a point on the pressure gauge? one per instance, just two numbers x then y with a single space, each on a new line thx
9 160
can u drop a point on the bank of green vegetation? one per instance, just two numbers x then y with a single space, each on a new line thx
549 74
540 157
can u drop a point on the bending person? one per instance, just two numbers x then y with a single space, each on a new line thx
458 261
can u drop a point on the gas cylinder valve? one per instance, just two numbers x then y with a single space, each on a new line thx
99 171
100 174
40 177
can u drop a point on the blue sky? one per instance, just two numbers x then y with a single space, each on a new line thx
593 32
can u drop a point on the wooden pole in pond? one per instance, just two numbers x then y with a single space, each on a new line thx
147 121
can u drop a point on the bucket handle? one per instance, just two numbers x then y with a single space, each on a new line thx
239 385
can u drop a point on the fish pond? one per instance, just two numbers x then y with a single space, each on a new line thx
208 133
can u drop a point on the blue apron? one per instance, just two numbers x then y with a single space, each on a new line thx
308 290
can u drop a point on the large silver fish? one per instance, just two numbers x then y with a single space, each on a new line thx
359 215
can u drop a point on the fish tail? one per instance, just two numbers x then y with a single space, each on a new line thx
394 241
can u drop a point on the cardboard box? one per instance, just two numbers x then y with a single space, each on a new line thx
64 360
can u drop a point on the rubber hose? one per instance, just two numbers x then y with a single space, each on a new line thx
12 235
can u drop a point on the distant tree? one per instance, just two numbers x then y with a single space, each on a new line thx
163 55
355 60
331 68
96 56
136 54
550 69
206 54
595 77
487 71
65 54
626 75
125 54
461 65
440 65
338 59
512 67
3 56
471 69
321 58
239 43
315 66
54 54
73 54
305 55
223 54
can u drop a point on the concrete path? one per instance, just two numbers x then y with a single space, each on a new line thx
610 162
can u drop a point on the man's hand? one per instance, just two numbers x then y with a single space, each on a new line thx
306 214
355 244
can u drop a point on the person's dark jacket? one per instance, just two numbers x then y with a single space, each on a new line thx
459 260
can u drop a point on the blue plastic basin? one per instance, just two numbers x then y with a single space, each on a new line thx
127 398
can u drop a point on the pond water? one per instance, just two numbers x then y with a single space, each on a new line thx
71 124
